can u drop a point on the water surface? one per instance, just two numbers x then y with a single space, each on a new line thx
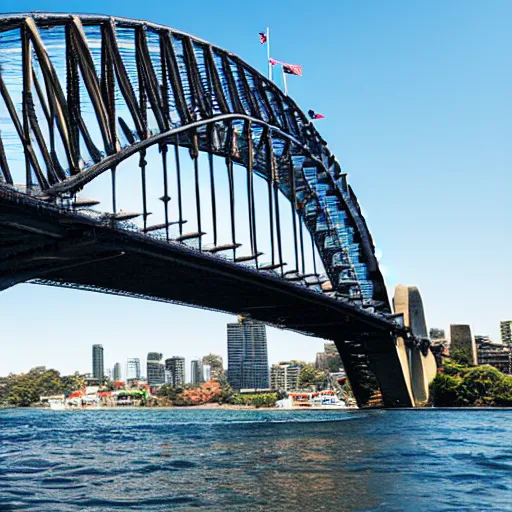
216 460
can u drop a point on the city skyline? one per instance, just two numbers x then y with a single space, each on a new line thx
111 359
455 96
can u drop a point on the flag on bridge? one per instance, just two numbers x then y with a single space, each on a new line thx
314 115
292 69
263 37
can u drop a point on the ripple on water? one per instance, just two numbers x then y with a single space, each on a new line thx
235 461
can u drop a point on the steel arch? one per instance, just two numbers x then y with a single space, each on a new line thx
173 89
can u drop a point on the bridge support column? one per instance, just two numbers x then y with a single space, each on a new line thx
374 369
419 365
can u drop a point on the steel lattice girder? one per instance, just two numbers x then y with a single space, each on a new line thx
148 84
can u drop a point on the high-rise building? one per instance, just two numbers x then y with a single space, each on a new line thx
155 369
333 361
97 363
462 344
216 366
196 371
329 359
247 355
284 376
320 361
117 371
176 366
132 368
506 332
207 372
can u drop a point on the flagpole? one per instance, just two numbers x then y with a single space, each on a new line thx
268 55
285 85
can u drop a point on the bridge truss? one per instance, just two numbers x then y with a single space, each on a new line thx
82 95
150 85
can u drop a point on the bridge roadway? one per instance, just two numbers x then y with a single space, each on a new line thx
62 247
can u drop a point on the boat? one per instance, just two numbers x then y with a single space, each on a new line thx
326 399
327 402
56 404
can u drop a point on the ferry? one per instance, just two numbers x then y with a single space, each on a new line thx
313 400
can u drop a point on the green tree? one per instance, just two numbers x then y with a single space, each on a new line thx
48 382
5 388
257 399
477 385
444 390
226 394
23 391
310 377
167 391
502 392
452 367
461 356
461 385
72 383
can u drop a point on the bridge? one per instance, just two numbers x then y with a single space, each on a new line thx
141 161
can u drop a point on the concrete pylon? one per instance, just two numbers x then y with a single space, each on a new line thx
418 368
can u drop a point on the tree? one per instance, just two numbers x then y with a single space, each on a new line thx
309 376
167 391
502 392
48 382
23 395
334 364
477 385
462 385
257 399
72 383
444 390
23 391
461 356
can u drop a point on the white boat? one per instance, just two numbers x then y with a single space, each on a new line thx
56 404
327 402
314 400
285 403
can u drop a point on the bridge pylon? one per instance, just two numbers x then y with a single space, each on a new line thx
418 362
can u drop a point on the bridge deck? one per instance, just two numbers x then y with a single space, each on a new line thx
61 246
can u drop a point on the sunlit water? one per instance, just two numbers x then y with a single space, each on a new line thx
215 460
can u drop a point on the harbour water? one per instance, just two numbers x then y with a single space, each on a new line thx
254 460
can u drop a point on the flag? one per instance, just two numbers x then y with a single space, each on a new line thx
263 37
273 62
314 115
292 69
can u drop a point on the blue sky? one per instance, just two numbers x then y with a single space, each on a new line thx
417 99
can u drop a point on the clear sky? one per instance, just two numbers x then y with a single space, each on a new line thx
418 104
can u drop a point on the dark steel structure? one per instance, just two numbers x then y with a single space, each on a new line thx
82 94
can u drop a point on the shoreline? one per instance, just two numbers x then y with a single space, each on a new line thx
214 407
230 407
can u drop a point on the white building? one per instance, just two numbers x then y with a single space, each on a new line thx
284 376
133 368
207 372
